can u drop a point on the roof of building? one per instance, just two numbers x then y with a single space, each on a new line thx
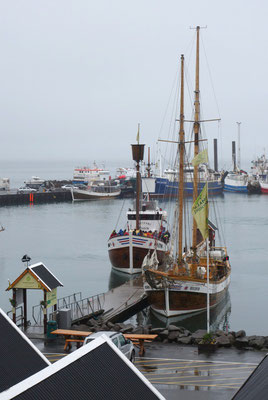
44 274
256 386
98 371
19 358
40 274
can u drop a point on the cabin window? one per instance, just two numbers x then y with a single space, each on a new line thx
145 217
115 341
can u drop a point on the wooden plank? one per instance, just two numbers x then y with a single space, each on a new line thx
69 332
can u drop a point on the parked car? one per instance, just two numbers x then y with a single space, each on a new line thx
123 344
67 187
26 189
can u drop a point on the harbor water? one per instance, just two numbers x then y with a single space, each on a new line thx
71 240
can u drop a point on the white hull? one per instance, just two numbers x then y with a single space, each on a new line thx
82 195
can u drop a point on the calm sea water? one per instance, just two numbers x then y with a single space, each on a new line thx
71 240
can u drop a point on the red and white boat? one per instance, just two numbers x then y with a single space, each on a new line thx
264 187
85 175
144 233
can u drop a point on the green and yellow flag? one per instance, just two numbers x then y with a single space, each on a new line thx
200 211
200 158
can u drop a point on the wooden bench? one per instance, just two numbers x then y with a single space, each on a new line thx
68 343
71 336
139 339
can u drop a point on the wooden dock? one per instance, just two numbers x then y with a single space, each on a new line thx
124 301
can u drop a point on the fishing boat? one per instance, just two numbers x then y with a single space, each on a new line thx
86 175
96 191
145 229
193 278
237 180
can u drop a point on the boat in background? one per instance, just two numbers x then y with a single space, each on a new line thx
96 191
86 175
168 187
35 182
264 186
237 180
145 230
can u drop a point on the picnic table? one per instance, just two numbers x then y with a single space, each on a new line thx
71 336
138 339
78 337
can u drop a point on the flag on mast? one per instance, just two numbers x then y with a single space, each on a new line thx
138 134
200 211
200 158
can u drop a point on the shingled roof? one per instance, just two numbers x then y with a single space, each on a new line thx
19 358
97 371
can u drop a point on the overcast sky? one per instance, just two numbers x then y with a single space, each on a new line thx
76 77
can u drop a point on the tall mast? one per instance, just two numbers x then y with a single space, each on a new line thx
137 155
181 153
196 132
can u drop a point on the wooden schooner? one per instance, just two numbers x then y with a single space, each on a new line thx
194 279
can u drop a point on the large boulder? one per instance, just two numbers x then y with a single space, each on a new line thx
184 340
240 334
164 334
127 328
258 342
110 325
219 332
173 335
172 328
156 331
223 341
241 342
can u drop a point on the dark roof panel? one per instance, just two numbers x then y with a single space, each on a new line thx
256 386
99 373
45 275
18 358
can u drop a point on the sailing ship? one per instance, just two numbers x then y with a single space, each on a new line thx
197 278
145 230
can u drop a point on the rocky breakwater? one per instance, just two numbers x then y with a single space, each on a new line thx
180 335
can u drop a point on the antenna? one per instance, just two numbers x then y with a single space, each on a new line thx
238 153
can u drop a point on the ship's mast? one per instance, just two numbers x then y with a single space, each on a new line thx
181 165
196 133
137 155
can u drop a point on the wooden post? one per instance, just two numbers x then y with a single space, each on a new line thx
138 197
45 312
14 308
181 165
25 308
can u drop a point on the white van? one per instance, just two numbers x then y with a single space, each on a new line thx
123 344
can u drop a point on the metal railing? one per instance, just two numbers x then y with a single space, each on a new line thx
79 307
19 315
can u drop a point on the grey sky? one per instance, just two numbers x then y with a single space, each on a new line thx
77 76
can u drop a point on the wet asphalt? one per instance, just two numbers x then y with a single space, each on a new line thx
180 372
